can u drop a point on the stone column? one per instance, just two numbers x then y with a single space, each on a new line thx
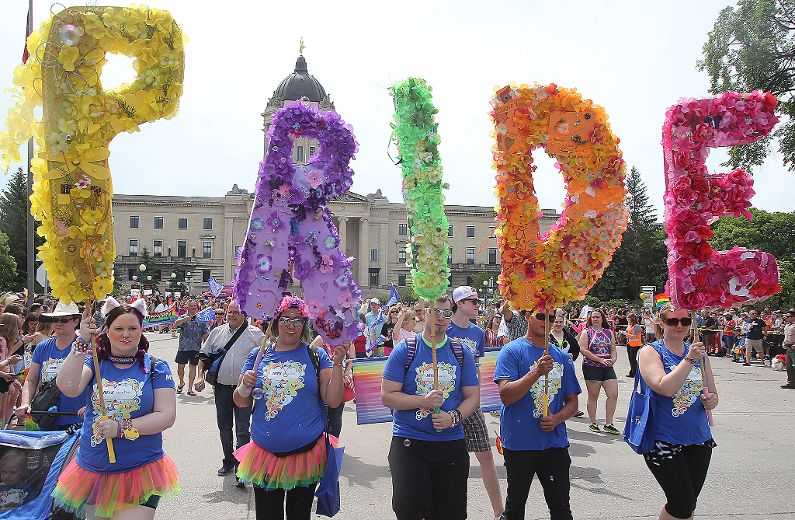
383 253
229 249
364 252
343 231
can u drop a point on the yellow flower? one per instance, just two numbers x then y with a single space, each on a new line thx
67 57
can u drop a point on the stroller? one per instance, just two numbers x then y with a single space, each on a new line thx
30 462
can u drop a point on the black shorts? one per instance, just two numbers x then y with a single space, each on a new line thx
590 373
187 356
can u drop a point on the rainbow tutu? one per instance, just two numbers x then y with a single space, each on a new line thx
111 492
263 469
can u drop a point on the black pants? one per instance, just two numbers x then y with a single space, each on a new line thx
271 504
429 479
225 411
632 354
681 479
552 466
335 420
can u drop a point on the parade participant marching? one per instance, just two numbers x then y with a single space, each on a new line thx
287 454
193 332
465 307
534 443
598 349
789 348
237 338
140 403
634 342
428 456
682 437
48 358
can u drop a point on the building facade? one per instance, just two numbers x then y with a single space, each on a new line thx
190 239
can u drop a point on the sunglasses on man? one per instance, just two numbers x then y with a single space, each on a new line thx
62 320
441 313
540 316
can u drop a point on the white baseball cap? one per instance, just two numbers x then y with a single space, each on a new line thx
463 292
375 300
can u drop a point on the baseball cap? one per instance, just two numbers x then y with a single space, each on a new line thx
463 292
375 300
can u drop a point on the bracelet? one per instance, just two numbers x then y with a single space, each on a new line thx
687 358
80 346
123 425
456 416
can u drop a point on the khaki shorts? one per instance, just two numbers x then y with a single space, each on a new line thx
754 344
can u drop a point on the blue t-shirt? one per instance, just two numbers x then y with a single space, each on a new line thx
50 358
418 380
290 413
520 422
129 393
472 337
681 419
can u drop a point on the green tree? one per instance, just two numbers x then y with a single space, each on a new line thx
14 223
640 260
8 268
752 46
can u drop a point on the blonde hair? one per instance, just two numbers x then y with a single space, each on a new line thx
14 455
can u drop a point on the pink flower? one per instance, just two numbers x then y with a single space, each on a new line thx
327 265
83 182
346 299
314 179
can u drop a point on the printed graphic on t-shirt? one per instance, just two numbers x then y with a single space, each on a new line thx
424 381
50 369
470 343
688 394
11 498
122 398
280 384
537 390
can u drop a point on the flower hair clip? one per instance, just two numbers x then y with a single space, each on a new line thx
291 302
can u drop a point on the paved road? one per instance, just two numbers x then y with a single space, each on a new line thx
751 474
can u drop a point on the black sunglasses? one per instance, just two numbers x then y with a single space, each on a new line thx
541 317
673 322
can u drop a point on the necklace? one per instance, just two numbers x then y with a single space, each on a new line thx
122 360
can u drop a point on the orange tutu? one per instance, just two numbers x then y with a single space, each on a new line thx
263 469
111 492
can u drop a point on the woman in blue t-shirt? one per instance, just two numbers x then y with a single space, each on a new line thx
47 359
287 454
683 439
140 403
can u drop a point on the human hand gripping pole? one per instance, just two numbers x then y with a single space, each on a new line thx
100 394
697 337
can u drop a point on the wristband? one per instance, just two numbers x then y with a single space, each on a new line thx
687 358
80 346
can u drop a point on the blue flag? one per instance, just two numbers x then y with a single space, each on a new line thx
206 315
215 287
394 296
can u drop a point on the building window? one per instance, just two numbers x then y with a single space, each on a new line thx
157 250
299 154
374 255
134 219
311 151
158 222
493 256
402 256
206 273
470 258
401 280
183 223
491 232
450 232
134 247
450 257
182 248
403 229
470 281
374 277
470 231
131 272
207 249
208 223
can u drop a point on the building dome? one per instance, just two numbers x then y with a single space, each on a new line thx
300 84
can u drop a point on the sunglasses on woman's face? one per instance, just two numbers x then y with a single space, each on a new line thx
541 317
674 322
62 320
287 322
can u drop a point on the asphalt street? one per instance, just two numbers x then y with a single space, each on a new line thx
751 475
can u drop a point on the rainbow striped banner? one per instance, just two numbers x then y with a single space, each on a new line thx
367 375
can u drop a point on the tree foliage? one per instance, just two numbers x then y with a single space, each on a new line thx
8 268
752 46
14 223
640 260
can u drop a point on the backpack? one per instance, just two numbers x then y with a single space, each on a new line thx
411 352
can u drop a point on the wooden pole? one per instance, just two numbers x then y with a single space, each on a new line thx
546 352
100 393
697 338
262 348
432 317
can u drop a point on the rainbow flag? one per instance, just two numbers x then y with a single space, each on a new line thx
367 374
661 299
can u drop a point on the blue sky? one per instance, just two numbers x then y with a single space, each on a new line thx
633 58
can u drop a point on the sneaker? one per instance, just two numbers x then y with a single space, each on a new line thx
594 427
579 413
609 428
226 470
239 483
746 364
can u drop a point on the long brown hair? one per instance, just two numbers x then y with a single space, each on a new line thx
9 330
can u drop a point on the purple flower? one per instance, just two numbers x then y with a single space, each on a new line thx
264 264
330 242
274 221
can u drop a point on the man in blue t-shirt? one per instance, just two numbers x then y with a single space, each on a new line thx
534 443
428 458
466 305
